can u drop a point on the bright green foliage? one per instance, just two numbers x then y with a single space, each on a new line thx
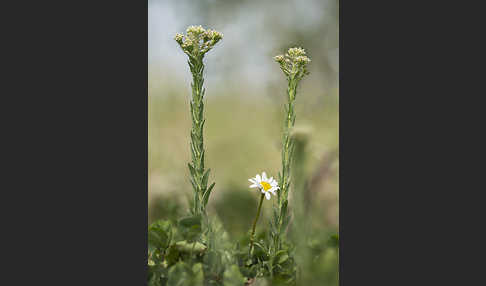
196 44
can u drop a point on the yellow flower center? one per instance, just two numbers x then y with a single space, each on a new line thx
266 186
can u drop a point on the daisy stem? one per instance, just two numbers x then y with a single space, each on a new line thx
252 237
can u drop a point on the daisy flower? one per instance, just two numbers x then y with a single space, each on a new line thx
266 185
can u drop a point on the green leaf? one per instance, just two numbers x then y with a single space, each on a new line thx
213 264
260 246
205 178
154 280
201 111
281 256
207 193
193 148
173 254
197 274
190 221
159 235
194 185
260 252
190 227
233 277
201 158
191 169
180 275
188 247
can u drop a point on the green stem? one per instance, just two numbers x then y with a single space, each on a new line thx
287 150
252 237
197 140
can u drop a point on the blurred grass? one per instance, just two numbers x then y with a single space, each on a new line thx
242 138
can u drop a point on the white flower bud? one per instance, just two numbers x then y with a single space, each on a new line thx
198 41
294 62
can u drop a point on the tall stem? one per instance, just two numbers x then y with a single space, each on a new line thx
197 141
199 176
195 44
252 237
287 144
287 151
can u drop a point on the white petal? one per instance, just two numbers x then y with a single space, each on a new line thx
273 190
254 186
271 179
252 180
264 176
263 191
258 178
267 196
273 184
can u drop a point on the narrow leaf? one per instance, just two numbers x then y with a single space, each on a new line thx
207 193
205 178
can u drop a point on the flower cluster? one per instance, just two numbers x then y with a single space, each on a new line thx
293 63
198 41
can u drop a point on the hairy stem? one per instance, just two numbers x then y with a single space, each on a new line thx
197 140
287 151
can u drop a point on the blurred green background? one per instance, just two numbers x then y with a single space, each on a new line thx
245 96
